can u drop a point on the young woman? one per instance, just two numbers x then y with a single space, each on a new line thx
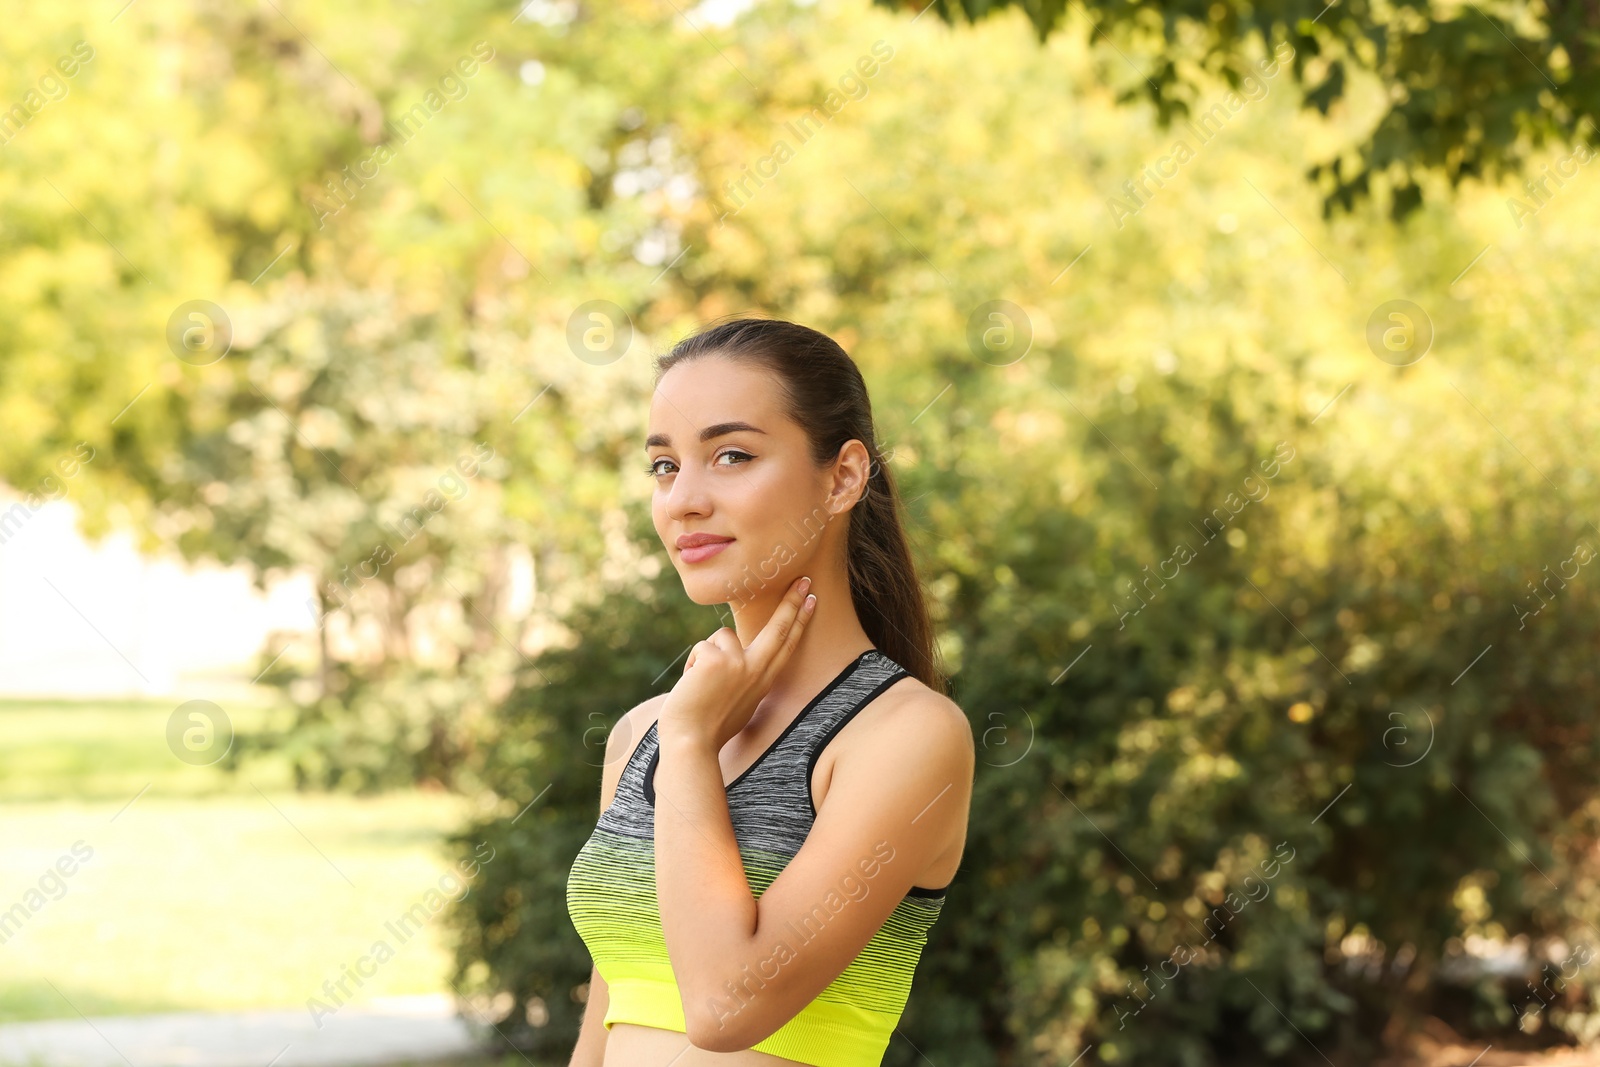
778 831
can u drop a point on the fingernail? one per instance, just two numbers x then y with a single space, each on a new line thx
805 583
811 602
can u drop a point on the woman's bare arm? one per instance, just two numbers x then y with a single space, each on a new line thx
590 1051
897 800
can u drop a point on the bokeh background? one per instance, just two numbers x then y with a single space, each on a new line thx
1238 364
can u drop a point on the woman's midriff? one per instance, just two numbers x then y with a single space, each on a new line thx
631 1045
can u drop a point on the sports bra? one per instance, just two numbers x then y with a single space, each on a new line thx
611 890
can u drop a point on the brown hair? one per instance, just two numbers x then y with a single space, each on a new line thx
823 391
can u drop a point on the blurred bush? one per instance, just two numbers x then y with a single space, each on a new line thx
1267 810
1371 673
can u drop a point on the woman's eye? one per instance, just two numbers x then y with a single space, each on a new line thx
654 469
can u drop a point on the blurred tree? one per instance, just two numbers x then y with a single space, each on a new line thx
1464 93
1210 729
1146 747
348 441
297 283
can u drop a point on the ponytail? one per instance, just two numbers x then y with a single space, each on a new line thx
883 579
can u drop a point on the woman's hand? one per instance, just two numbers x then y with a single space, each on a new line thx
723 681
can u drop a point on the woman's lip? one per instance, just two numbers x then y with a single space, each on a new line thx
700 553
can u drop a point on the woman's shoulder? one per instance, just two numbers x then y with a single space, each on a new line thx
630 729
910 739
910 693
911 709
639 718
626 734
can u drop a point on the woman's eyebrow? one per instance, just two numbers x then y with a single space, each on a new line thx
710 432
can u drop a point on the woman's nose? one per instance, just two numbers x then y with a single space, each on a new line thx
687 496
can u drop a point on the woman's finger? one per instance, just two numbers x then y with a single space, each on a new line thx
727 640
775 636
803 614
797 627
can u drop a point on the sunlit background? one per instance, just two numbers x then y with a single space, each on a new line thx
1255 501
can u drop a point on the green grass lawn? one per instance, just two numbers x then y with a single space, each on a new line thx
204 893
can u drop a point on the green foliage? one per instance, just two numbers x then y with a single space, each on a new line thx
1276 763
374 348
1142 756
1463 90
1229 715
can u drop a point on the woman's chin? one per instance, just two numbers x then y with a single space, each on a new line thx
706 590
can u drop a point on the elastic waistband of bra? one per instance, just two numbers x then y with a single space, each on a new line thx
824 1034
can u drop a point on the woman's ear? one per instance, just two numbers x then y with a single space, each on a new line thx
852 470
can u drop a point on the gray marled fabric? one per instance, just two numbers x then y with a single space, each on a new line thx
770 803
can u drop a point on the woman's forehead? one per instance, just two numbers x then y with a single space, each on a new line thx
711 391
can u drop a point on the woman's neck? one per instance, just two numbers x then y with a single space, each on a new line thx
833 638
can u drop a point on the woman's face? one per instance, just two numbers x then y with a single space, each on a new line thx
729 463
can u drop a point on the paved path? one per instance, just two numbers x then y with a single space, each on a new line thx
390 1031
